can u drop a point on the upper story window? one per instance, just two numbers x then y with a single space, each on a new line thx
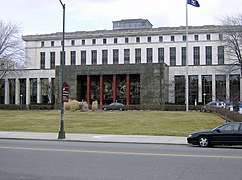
208 37
184 38
73 57
149 55
105 56
94 56
161 55
104 41
115 56
137 39
115 40
126 40
42 60
83 57
73 42
149 39
208 50
172 38
196 55
220 36
220 54
126 56
137 55
52 43
172 56
160 38
196 37
52 60
93 41
83 42
42 44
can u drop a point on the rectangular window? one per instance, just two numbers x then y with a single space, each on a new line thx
137 39
149 55
220 54
61 58
196 37
220 87
196 55
138 56
160 38
208 55
220 36
104 56
126 56
208 37
52 43
94 56
93 41
83 57
42 60
193 89
184 56
149 39
234 87
73 57
115 40
52 60
73 42
104 41
115 56
42 44
184 38
207 88
180 89
172 56
172 38
83 42
126 40
161 55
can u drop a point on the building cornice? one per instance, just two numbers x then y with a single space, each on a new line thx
126 32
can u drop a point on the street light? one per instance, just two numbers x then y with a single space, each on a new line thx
62 132
204 98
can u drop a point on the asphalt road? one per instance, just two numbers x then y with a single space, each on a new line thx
34 160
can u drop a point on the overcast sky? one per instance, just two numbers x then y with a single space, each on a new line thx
45 16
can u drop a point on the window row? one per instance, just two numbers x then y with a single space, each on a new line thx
127 40
149 56
206 89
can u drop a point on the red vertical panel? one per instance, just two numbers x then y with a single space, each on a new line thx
101 89
114 88
88 89
127 89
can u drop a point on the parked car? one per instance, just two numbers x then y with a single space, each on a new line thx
114 106
226 134
213 104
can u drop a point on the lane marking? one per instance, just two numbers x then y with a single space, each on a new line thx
120 153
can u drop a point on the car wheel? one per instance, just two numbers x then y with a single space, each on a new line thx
120 109
203 141
105 109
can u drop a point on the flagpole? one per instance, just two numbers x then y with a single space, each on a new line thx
186 78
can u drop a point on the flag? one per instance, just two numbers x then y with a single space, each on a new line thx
193 3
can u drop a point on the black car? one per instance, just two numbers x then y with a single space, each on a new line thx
114 106
226 134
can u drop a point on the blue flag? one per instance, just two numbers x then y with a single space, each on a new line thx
193 3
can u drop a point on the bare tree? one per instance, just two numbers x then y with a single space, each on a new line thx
232 30
12 51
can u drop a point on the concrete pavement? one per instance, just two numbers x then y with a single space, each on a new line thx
95 138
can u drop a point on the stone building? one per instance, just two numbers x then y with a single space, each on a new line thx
134 64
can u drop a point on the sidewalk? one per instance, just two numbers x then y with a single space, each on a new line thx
95 138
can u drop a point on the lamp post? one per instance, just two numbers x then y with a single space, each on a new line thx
204 98
62 132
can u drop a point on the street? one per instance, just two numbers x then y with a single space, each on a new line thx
62 160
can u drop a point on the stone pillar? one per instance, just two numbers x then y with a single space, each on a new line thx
88 89
27 91
127 89
6 92
39 94
50 90
114 88
101 90
17 91
200 89
227 88
213 88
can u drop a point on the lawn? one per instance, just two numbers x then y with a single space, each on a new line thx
127 122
